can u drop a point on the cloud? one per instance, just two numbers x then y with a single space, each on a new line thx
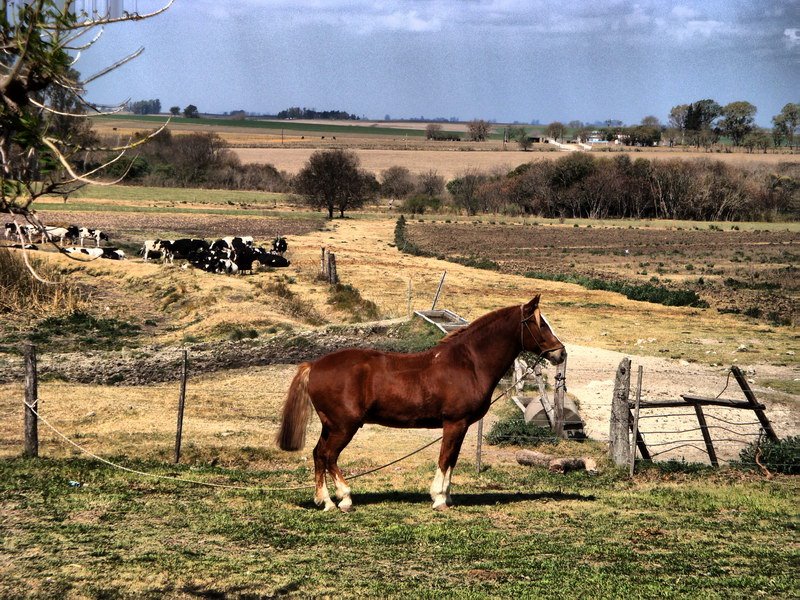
683 12
403 21
792 37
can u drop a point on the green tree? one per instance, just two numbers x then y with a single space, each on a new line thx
738 119
190 112
465 191
520 135
701 117
677 119
174 110
786 124
146 107
332 179
757 139
651 121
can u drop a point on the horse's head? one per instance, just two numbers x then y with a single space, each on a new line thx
537 336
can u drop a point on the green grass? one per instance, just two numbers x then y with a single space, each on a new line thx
514 533
645 292
346 298
169 194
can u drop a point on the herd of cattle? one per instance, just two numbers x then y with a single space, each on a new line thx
226 255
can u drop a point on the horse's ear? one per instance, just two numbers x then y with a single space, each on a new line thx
533 304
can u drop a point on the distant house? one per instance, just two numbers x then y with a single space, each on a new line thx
596 137
536 139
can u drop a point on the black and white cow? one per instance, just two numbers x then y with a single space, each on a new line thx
279 245
110 253
234 243
254 259
151 249
214 260
14 230
183 248
69 233
95 234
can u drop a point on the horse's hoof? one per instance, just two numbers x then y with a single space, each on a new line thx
441 507
346 508
329 506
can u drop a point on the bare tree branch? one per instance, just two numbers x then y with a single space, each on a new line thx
110 68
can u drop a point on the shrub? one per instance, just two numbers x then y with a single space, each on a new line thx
782 456
646 292
347 298
514 431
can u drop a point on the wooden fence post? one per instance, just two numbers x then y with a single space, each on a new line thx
181 404
619 448
333 277
480 447
701 419
438 291
634 439
558 398
31 447
324 262
751 398
549 411
410 310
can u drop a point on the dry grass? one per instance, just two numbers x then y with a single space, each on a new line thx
450 164
21 294
230 420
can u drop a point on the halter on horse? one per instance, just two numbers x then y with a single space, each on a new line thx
447 386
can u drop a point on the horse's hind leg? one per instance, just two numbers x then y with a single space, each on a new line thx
321 495
452 438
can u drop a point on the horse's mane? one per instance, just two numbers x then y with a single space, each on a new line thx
458 335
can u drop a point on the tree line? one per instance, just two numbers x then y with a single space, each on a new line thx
295 112
576 185
192 160
580 185
702 124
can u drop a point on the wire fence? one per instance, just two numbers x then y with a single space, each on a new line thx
248 417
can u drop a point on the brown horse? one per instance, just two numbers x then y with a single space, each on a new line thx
449 386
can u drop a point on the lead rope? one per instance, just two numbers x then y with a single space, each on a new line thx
256 488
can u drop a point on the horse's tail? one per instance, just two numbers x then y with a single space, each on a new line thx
296 411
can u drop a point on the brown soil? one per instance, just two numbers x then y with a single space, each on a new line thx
750 272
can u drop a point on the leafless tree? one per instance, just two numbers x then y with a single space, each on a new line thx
478 130
42 104
556 130
433 131
397 182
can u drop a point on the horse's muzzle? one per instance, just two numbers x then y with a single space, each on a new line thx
556 357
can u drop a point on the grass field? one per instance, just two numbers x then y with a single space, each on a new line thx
516 534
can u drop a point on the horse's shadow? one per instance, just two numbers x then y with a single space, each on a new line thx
462 499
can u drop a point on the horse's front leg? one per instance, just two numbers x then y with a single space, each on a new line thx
336 443
452 437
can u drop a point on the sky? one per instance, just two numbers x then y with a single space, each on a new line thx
503 60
